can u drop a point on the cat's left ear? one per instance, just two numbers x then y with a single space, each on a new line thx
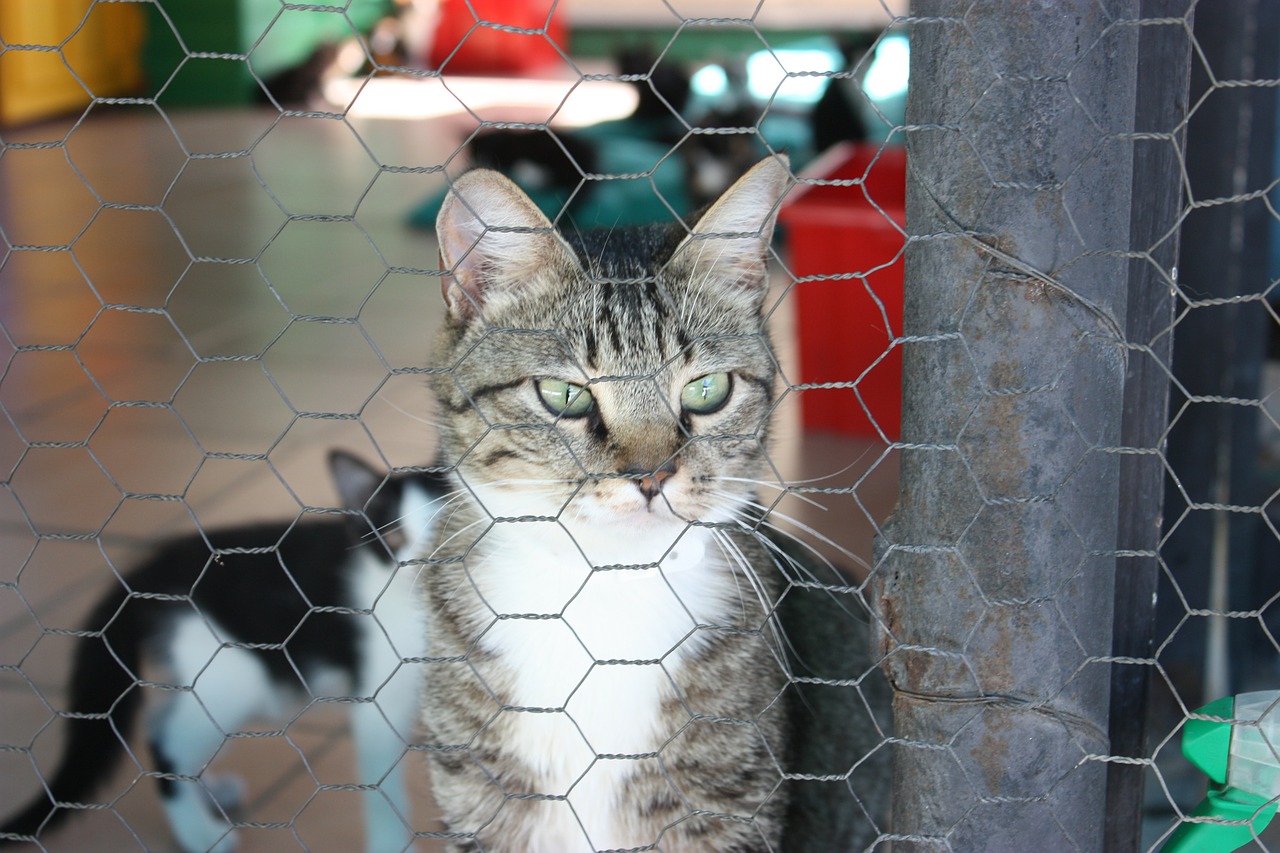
493 242
731 240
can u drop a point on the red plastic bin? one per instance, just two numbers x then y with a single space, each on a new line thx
471 48
849 315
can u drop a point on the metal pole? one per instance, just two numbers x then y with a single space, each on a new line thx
995 577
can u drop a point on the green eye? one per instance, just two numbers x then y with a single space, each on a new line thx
706 394
565 399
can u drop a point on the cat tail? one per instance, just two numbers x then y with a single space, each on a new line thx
103 705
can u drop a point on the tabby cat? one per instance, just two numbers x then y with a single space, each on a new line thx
607 673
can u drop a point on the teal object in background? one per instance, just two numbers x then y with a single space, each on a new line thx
623 147
631 146
276 39
1241 762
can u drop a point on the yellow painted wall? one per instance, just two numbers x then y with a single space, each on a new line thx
85 50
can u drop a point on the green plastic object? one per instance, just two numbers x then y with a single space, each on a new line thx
1238 752
190 42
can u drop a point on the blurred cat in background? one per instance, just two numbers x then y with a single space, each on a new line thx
253 623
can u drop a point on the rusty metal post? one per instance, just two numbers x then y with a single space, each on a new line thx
995 577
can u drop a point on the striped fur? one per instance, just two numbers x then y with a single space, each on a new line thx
605 674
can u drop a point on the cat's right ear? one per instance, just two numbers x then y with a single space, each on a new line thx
492 238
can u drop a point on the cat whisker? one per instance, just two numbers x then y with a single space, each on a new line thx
747 570
735 561
767 512
782 560
811 501
752 527
785 561
453 502
605 247
779 556
735 555
752 522
528 481
423 562
818 479
825 540
444 501
408 414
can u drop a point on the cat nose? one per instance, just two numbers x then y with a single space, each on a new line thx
650 480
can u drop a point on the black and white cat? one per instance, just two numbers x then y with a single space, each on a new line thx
253 623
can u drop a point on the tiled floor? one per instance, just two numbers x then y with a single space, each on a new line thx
166 374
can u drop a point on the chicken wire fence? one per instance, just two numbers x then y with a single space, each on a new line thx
197 304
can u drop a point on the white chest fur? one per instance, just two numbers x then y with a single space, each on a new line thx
585 648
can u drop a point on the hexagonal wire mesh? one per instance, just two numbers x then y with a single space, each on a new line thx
199 304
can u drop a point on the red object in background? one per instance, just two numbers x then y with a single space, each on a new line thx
487 51
845 325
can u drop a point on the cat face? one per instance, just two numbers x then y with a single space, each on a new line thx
621 384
